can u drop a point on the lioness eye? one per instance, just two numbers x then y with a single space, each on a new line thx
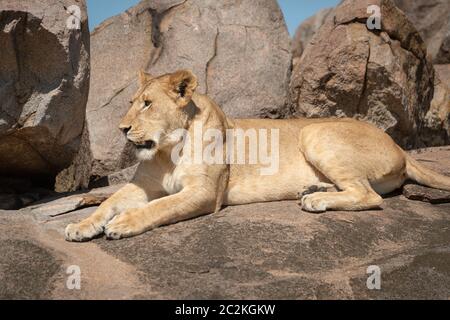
147 103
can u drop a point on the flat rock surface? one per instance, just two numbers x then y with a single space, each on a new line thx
258 251
416 192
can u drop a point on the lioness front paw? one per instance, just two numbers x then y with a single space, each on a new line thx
123 226
313 203
83 231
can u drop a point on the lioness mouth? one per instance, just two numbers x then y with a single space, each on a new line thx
146 145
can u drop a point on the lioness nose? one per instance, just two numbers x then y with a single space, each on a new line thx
125 129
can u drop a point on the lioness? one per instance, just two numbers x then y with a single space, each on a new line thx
334 164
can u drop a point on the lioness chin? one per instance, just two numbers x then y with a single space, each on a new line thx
333 164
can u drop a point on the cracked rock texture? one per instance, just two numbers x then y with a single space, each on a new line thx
438 116
257 251
381 76
306 31
239 50
432 19
44 84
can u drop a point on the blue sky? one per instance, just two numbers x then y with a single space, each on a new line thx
295 11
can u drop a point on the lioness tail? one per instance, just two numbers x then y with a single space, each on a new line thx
425 176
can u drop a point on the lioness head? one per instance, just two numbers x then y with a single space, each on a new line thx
157 110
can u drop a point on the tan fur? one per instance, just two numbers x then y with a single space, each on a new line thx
354 161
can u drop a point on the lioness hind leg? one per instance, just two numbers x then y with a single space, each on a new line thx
355 191
354 197
344 153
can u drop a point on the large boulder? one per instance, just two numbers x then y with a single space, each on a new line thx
432 20
240 52
430 17
44 84
306 31
381 76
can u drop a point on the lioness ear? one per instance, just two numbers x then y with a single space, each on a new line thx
144 77
183 83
